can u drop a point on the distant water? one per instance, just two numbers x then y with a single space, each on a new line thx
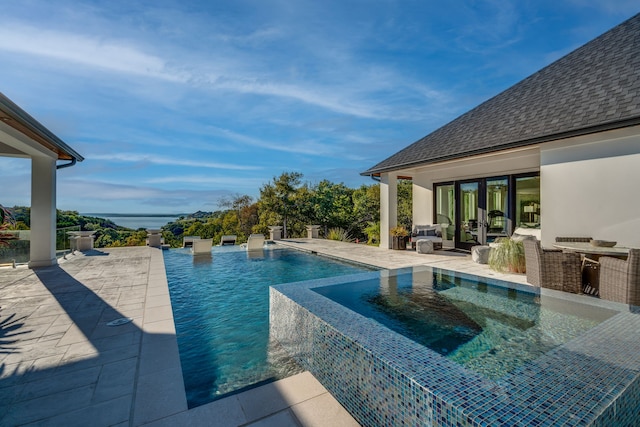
137 221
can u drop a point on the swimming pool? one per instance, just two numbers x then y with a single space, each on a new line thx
577 358
221 313
486 328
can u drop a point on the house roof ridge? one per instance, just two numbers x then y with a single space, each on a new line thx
594 86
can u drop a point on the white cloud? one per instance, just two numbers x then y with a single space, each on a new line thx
235 182
102 196
303 147
344 88
160 160
117 56
324 98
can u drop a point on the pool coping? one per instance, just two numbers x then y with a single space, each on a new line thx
540 392
160 396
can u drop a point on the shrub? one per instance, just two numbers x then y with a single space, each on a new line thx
507 256
339 234
373 232
399 231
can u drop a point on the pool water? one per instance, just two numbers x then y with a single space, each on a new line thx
221 312
486 328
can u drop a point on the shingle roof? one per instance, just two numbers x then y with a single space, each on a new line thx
596 87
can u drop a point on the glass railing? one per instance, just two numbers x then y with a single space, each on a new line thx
15 245
63 243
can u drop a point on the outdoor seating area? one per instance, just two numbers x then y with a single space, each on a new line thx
584 265
432 233
576 264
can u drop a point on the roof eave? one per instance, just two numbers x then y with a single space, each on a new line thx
14 116
634 121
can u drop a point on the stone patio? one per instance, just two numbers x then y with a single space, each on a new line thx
62 364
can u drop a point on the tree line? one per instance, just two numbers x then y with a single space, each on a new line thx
342 213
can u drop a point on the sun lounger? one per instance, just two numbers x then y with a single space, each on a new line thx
201 246
187 241
228 240
255 242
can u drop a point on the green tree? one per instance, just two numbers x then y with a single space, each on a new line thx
279 197
332 206
405 203
366 209
246 213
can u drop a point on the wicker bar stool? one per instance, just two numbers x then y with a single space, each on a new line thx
620 279
552 269
590 267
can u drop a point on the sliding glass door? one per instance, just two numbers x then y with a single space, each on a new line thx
446 213
483 214
469 228
497 221
478 211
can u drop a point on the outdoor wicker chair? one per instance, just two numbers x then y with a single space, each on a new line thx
620 279
552 269
590 267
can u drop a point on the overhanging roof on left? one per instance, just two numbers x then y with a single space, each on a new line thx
14 116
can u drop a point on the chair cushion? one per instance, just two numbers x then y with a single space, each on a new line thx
427 230
520 237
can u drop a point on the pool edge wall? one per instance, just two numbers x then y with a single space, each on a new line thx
367 387
382 390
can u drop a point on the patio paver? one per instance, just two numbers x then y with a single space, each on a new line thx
60 364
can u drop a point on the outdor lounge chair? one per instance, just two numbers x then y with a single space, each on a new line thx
201 246
228 240
590 267
620 279
255 242
187 241
552 269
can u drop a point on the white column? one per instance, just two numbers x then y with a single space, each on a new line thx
388 207
43 212
422 201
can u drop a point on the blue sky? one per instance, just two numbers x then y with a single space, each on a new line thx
175 104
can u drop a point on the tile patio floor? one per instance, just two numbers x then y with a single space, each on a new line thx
61 364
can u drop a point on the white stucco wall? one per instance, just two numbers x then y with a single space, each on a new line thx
590 186
422 200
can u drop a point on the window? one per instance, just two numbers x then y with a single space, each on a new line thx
445 209
528 202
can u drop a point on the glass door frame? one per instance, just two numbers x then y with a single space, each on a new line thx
461 227
482 216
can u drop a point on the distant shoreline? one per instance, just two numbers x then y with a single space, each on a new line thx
141 215
136 221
